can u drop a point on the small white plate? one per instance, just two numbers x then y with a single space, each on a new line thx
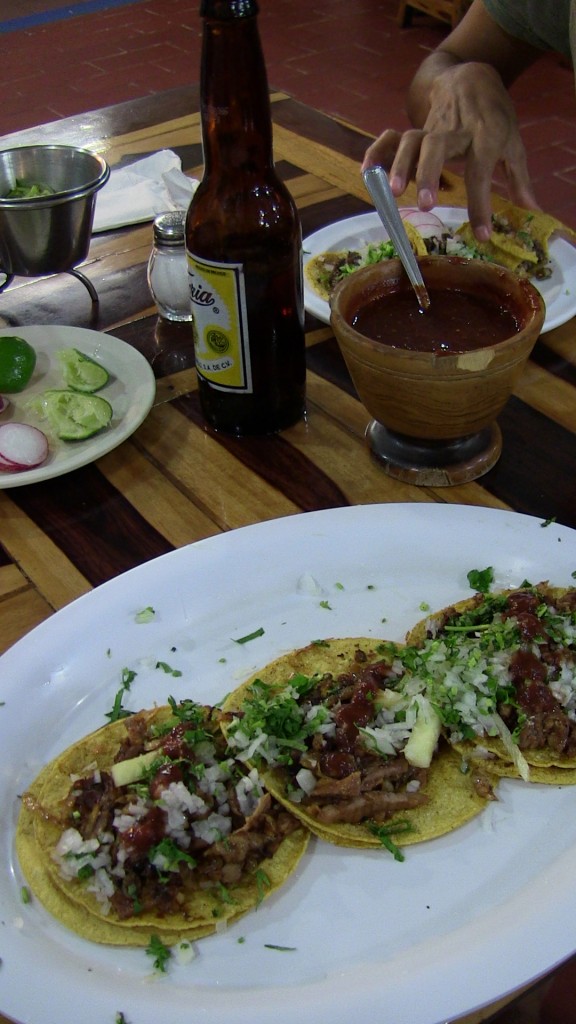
130 391
558 291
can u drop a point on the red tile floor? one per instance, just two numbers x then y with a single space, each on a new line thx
350 59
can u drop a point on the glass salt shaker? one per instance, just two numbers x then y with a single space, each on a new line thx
167 267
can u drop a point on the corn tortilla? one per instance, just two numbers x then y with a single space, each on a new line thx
40 825
320 270
546 765
452 796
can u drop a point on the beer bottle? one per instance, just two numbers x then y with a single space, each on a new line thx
243 240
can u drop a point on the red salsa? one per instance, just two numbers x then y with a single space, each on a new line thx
455 322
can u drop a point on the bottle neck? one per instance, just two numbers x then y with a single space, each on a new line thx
235 103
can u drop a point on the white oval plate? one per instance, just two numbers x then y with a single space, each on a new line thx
130 391
558 291
368 938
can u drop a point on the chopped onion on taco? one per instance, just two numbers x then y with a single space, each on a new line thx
501 670
149 826
338 740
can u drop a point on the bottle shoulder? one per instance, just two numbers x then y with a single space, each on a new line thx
234 204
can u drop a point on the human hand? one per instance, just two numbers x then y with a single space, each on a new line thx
470 116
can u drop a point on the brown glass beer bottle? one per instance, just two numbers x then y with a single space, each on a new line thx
243 240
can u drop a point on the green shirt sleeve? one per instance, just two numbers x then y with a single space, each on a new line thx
544 24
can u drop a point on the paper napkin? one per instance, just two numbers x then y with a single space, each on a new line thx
138 192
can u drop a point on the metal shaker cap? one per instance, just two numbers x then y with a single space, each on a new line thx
169 227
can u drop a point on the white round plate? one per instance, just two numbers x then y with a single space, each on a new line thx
130 391
463 920
558 291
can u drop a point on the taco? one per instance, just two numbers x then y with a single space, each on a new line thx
324 271
149 827
339 743
520 240
500 669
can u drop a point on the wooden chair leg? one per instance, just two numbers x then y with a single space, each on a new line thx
404 15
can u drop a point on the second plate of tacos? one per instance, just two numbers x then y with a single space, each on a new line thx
339 743
148 827
532 243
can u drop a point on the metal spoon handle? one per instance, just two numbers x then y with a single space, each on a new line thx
376 181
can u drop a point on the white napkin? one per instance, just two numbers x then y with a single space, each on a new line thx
139 192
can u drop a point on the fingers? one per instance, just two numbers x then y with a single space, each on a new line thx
518 181
382 151
478 175
400 155
478 189
421 155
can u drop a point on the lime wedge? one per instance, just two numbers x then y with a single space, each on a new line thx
72 416
17 362
81 372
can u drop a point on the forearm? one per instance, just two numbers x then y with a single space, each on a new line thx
461 109
477 39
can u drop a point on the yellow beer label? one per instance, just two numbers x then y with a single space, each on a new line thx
220 323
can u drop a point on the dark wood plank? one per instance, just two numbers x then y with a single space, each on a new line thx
110 122
276 461
92 523
536 473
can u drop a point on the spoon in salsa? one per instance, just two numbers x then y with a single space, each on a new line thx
376 181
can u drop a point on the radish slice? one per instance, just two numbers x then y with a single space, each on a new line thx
4 403
21 447
427 224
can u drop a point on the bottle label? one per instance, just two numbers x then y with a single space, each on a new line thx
220 324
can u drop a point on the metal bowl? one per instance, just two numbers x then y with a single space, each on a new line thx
48 234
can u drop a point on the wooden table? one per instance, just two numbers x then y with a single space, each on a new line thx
174 481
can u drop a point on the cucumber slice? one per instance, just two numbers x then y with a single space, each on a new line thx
73 416
80 372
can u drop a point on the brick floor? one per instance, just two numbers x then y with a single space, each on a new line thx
350 59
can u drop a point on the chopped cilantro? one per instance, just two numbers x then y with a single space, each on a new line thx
159 952
384 833
249 636
263 882
118 711
187 711
168 669
225 895
281 949
326 604
85 872
127 678
136 905
481 579
170 854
